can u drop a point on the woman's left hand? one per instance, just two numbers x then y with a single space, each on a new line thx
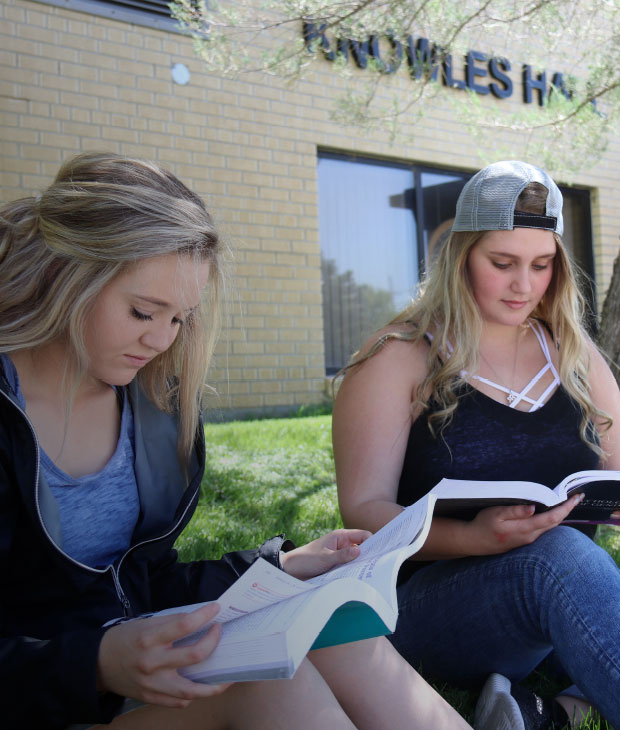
319 556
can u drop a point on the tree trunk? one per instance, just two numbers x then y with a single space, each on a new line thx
609 331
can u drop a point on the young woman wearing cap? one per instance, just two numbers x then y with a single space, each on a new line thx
105 337
490 374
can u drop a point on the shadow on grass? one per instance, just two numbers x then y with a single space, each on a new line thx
248 497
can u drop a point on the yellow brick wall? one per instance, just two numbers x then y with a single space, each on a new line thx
71 81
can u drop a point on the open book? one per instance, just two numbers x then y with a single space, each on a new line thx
463 498
271 620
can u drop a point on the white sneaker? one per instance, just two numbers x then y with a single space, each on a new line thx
496 709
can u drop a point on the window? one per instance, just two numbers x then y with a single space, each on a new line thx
369 260
151 13
380 225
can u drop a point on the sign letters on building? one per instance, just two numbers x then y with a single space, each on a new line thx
481 73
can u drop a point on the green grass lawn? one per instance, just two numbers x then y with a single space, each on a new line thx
262 478
277 475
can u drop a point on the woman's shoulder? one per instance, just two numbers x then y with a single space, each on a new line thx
396 353
384 378
600 375
401 337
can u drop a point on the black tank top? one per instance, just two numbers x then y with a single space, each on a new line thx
489 440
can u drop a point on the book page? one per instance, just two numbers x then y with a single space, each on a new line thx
379 572
579 478
261 585
465 491
270 619
397 534
251 658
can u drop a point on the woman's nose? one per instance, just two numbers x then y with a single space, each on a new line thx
159 338
522 282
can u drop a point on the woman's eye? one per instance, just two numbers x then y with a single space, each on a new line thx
500 266
540 267
140 315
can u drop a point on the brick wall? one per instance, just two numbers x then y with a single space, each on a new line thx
71 81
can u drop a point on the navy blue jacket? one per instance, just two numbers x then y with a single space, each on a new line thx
52 607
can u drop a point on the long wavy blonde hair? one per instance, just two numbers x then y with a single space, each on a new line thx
102 214
446 308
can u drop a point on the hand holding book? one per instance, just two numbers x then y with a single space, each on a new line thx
323 554
497 529
139 658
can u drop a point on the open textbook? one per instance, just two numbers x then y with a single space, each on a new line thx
270 620
601 488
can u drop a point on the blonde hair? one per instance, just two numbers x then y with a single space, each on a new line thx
446 308
102 214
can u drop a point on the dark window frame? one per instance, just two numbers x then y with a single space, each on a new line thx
134 12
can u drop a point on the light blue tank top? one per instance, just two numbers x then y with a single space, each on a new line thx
98 512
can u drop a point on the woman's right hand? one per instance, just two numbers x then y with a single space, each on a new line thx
499 529
137 658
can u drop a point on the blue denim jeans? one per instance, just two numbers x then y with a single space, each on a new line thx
462 619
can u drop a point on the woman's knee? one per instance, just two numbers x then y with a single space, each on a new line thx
305 702
564 552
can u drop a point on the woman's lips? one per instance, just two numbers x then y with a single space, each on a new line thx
514 304
137 361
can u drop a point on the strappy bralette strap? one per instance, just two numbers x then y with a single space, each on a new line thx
488 382
543 397
542 341
449 347
518 397
523 394
537 329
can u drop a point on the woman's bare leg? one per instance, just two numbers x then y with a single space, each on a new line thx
576 709
379 690
303 703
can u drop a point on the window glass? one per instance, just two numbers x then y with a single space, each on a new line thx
577 239
440 192
576 236
368 250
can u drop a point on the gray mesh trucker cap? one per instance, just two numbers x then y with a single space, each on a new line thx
487 202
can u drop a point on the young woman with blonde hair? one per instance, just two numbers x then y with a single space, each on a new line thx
109 283
490 374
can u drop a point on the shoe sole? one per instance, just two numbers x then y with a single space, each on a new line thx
496 709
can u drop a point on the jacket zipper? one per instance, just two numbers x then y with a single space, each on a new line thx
123 600
127 606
